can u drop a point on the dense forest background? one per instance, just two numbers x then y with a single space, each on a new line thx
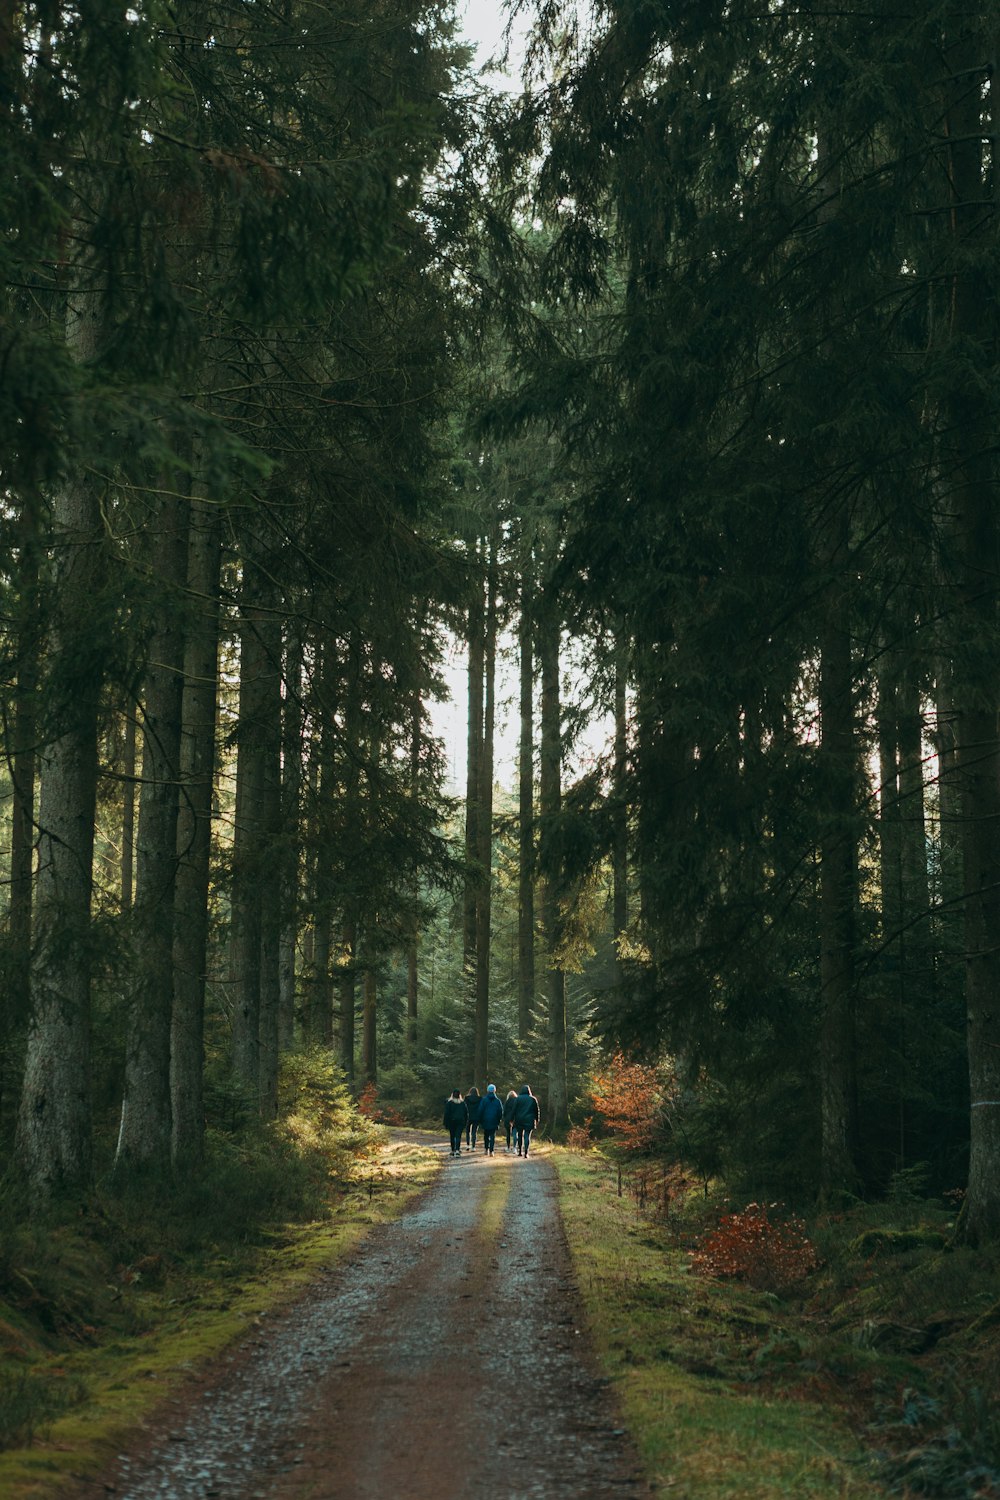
673 379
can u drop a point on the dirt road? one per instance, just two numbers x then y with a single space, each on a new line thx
442 1357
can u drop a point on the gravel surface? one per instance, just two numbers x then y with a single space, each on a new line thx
438 1357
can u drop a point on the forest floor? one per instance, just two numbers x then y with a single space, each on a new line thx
519 1324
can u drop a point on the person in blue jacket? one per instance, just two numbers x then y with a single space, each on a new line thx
526 1113
456 1118
490 1115
472 1104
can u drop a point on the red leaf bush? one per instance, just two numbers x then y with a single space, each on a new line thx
626 1095
750 1246
579 1137
381 1114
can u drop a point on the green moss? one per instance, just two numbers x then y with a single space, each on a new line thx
896 1241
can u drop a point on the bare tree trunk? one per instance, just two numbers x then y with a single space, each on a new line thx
915 879
369 1038
975 497
890 835
145 1134
369 924
291 796
312 858
413 938
270 900
837 759
484 836
53 1145
54 1125
412 989
352 820
948 918
21 762
321 997
473 793
526 808
194 832
129 768
838 864
257 790
550 801
619 836
347 987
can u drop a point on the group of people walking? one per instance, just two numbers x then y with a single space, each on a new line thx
465 1117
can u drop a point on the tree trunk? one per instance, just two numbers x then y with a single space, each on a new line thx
413 937
948 916
291 797
975 496
54 1125
370 942
473 792
837 764
321 995
352 823
619 835
347 986
257 804
838 861
194 832
484 836
890 835
270 831
526 810
21 763
129 766
53 1145
145 1134
369 1041
550 800
913 836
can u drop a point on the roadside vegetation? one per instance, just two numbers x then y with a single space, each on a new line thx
103 1312
753 1352
757 1356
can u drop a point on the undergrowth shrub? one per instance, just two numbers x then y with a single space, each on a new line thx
318 1117
942 1453
769 1254
373 1109
76 1267
29 1404
54 1279
402 1091
250 1179
579 1137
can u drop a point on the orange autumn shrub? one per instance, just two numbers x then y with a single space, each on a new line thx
579 1137
750 1246
381 1114
626 1095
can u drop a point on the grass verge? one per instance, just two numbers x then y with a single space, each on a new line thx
693 1361
83 1388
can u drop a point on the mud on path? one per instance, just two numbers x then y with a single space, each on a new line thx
442 1355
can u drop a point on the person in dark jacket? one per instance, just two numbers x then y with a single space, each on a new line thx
526 1114
472 1097
490 1115
508 1114
456 1119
